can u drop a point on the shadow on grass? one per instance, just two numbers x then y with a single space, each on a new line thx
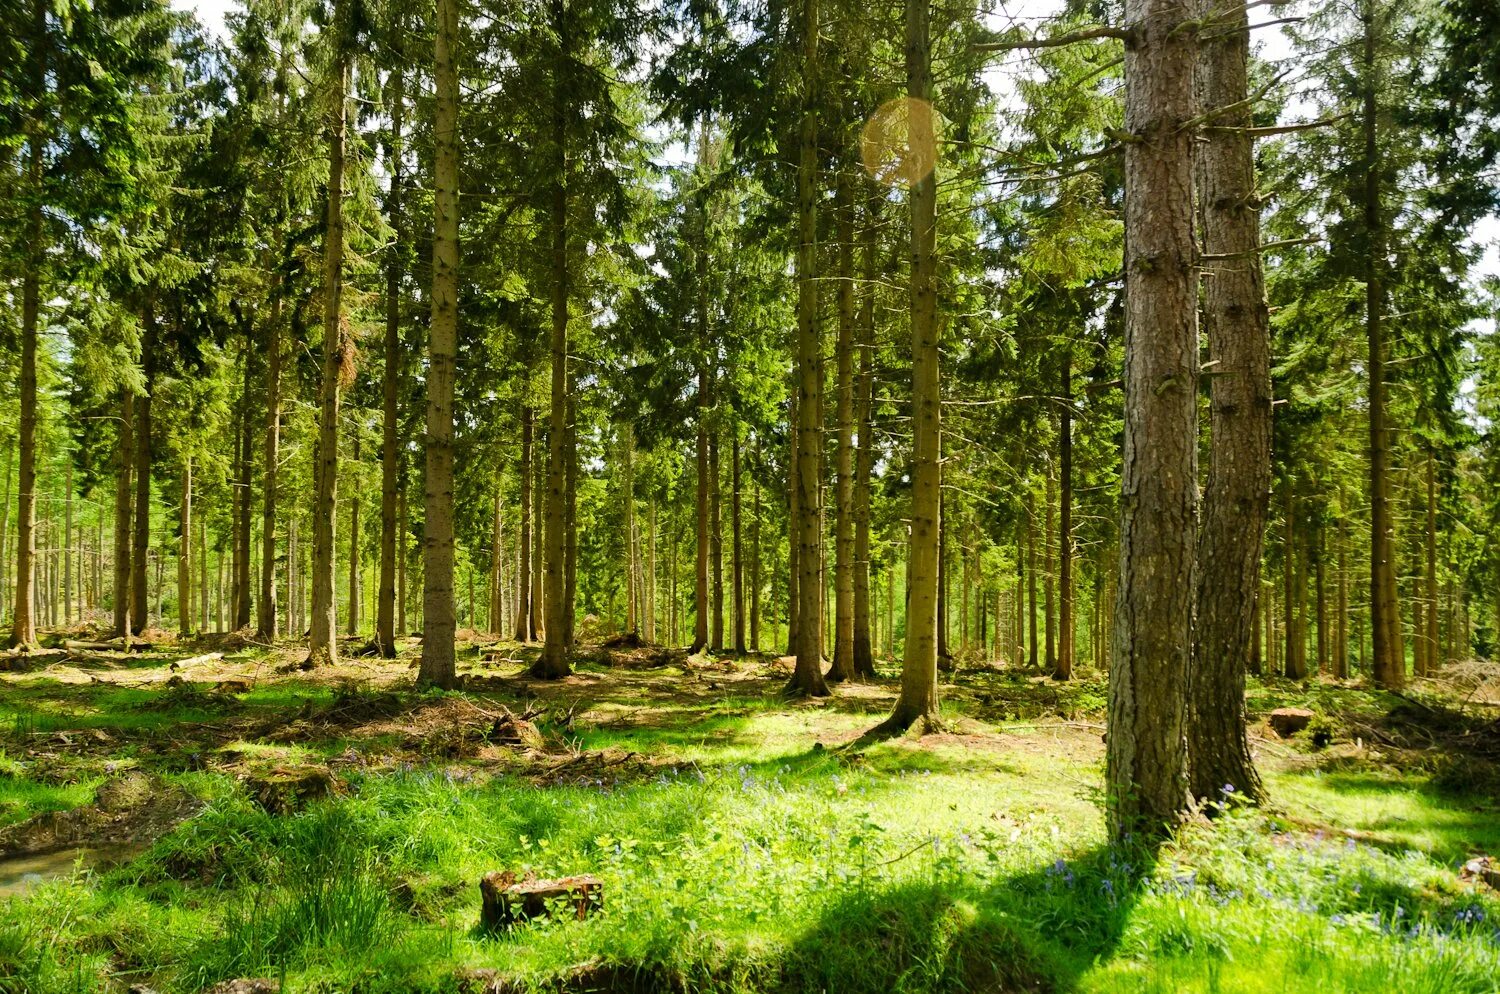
1036 930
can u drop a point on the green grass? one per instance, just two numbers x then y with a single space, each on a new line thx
748 859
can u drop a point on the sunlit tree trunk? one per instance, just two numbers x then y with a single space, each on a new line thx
184 552
390 466
337 358
140 594
1146 778
844 553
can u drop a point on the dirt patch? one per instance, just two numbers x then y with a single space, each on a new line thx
132 809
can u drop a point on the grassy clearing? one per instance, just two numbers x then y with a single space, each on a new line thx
743 849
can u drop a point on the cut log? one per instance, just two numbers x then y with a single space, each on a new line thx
1289 721
507 900
207 657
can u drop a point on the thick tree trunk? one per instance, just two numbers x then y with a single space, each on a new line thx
807 678
918 703
1146 777
844 561
337 359
390 382
265 608
552 664
1236 500
438 610
793 516
124 510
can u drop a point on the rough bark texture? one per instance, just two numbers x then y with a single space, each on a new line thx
1237 499
1064 668
553 662
864 652
265 608
739 547
807 678
715 542
356 533
843 568
23 621
524 631
322 641
918 701
1389 658
438 611
185 551
1146 776
385 610
701 464
140 594
124 448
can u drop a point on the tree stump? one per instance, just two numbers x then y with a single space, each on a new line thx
507 900
1289 721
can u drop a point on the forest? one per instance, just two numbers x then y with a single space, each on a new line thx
749 496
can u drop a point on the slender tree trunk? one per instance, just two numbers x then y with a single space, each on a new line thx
1049 600
203 600
1431 633
627 505
265 609
715 542
553 662
918 703
844 562
1389 668
1064 670
244 568
755 553
390 383
864 403
338 358
141 546
807 678
570 522
5 502
794 515
524 632
1320 599
1146 768
1031 571
402 531
67 546
493 612
1341 631
23 621
184 553
356 532
538 504
739 547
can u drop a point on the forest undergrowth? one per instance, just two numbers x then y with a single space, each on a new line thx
239 817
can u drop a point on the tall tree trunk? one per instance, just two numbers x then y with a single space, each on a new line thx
141 546
715 541
553 662
864 469
438 609
1064 669
739 546
538 505
242 540
918 703
1434 661
203 600
1236 500
402 530
807 678
1146 778
1049 609
570 519
494 614
1320 599
1341 630
356 532
755 552
390 381
67 549
23 621
627 504
524 631
793 516
844 562
185 553
1031 571
338 358
1389 669
265 608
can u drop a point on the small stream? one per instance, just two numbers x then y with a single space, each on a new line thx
19 874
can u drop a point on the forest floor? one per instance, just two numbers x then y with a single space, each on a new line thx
171 826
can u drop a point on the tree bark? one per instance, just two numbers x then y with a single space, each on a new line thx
1389 662
844 562
337 359
438 609
390 384
918 703
1064 669
1146 767
807 678
185 553
1430 633
739 547
553 664
140 595
864 468
715 542
524 631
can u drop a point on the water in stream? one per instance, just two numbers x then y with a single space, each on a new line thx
18 874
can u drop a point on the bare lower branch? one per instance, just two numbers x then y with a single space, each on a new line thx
1057 41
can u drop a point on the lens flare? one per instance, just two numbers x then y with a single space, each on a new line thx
899 143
